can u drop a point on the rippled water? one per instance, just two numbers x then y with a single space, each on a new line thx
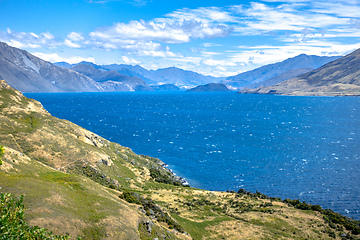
305 148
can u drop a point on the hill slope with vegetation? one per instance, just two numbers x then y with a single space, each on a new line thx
78 184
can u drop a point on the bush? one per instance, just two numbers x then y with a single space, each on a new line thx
12 224
1 153
130 197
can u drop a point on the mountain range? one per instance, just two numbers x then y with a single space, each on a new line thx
277 72
172 75
114 81
29 73
337 78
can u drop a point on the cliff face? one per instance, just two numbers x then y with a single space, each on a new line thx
78 183
340 77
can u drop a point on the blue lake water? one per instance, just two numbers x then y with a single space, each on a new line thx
305 148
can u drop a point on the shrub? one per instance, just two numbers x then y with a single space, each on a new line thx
1 153
12 224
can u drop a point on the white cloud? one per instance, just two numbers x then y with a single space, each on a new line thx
53 57
218 63
28 40
128 60
71 44
163 54
74 36
211 45
168 32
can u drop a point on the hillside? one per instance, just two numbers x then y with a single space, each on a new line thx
277 72
340 77
28 73
117 81
77 183
172 75
211 87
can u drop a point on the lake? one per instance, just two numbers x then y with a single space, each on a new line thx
303 148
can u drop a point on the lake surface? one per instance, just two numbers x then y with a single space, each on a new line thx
305 148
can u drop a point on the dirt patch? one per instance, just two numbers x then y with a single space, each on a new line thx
234 230
60 225
55 200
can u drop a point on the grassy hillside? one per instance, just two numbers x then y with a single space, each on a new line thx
78 184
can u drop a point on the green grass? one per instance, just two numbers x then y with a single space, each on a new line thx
198 230
78 199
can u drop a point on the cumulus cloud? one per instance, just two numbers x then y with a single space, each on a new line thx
167 32
53 57
74 36
28 40
128 60
71 44
163 54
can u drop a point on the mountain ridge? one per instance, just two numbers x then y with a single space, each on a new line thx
32 74
264 73
340 77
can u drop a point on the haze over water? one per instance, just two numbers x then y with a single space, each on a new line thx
303 148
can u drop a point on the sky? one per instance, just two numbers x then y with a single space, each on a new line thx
217 38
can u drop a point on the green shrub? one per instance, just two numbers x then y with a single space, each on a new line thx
1 153
130 197
12 224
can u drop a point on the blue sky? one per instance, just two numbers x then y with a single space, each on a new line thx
218 38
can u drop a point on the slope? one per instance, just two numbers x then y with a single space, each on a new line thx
340 77
266 72
111 80
28 73
77 183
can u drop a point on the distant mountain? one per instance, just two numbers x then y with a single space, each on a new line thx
31 74
111 80
129 70
337 78
277 72
166 87
63 64
211 87
280 78
179 77
172 75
